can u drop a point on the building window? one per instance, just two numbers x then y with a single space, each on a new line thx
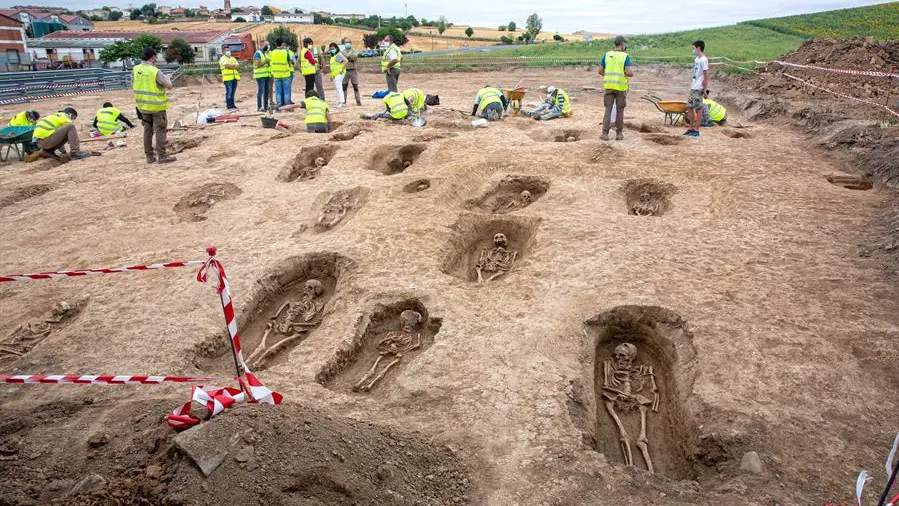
12 56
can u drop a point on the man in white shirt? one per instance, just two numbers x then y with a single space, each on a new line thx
697 89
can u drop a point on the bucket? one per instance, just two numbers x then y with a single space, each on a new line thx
269 122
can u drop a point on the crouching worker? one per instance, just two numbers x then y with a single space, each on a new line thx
713 113
419 101
397 108
557 105
53 132
318 117
110 121
489 103
25 118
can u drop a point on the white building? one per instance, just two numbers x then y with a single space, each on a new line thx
287 17
251 17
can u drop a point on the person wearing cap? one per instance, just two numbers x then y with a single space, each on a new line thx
557 105
151 96
318 117
53 132
490 102
25 118
397 108
352 76
713 113
109 120
262 73
230 76
615 69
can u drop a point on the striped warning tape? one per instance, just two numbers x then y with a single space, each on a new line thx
96 272
862 100
838 71
86 379
21 99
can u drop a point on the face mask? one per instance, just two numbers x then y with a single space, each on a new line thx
347 45
333 51
694 52
227 53
309 46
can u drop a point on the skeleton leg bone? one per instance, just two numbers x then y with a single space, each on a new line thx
623 437
367 375
261 348
273 348
382 373
642 442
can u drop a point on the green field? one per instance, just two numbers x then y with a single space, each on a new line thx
879 21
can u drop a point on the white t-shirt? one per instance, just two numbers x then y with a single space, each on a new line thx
700 65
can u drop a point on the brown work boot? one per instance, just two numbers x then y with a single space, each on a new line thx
167 159
32 157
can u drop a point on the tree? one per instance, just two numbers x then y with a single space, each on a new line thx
370 40
534 25
283 32
145 40
558 37
149 11
399 38
512 26
502 28
411 19
135 15
441 27
239 19
119 50
506 40
267 11
189 13
469 31
180 51
237 10
96 18
114 15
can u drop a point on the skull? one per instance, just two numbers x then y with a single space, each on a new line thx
624 356
500 240
312 288
526 197
410 319
320 162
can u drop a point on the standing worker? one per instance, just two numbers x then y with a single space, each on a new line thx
351 75
230 76
109 119
279 61
615 69
318 118
262 73
25 118
391 61
491 103
698 86
307 66
152 101
53 132
337 67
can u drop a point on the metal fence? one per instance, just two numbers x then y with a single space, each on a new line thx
18 87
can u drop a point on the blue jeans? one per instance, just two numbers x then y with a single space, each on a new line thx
230 89
262 97
288 93
282 88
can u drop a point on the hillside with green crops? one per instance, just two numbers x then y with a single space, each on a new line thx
879 21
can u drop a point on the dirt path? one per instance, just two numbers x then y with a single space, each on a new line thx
776 336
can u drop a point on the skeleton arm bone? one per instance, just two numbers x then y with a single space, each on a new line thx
655 391
276 315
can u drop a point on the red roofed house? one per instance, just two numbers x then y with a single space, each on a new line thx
13 48
76 22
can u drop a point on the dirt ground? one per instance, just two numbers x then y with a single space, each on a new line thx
740 278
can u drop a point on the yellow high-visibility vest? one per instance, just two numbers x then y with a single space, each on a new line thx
263 70
396 103
316 110
489 96
148 95
306 68
337 68
229 74
562 101
107 120
385 60
614 77
48 124
21 119
279 63
416 99
717 112
291 61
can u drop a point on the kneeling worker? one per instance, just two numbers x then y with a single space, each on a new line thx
25 118
318 117
397 108
490 102
53 132
419 101
109 120
713 113
557 105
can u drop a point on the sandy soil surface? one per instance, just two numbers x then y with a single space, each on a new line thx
746 292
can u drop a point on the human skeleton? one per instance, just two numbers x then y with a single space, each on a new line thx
495 261
26 336
394 344
523 200
645 206
310 171
334 210
622 387
291 322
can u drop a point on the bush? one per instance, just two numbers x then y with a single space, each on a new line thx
179 51
501 28
469 31
399 38
370 40
512 26
506 40
240 19
114 15
558 37
135 15
282 32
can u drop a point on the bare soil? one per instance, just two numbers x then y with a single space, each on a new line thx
763 298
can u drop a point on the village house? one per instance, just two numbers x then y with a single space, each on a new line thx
288 17
13 46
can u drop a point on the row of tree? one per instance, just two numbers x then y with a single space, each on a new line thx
177 51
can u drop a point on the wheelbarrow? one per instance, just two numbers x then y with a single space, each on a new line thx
674 110
18 139
513 98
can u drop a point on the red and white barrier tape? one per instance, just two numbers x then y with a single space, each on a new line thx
96 272
214 399
42 97
84 379
870 73
862 100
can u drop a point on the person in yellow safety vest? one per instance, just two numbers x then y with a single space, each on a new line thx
490 102
416 100
152 99
53 132
292 67
279 59
615 69
307 65
713 113
318 117
337 66
557 105
262 73
391 61
108 120
230 76
397 108
25 118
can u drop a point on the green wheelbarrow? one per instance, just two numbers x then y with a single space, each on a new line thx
18 139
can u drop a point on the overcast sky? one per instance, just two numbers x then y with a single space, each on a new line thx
629 17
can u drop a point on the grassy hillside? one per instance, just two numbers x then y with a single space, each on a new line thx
880 21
